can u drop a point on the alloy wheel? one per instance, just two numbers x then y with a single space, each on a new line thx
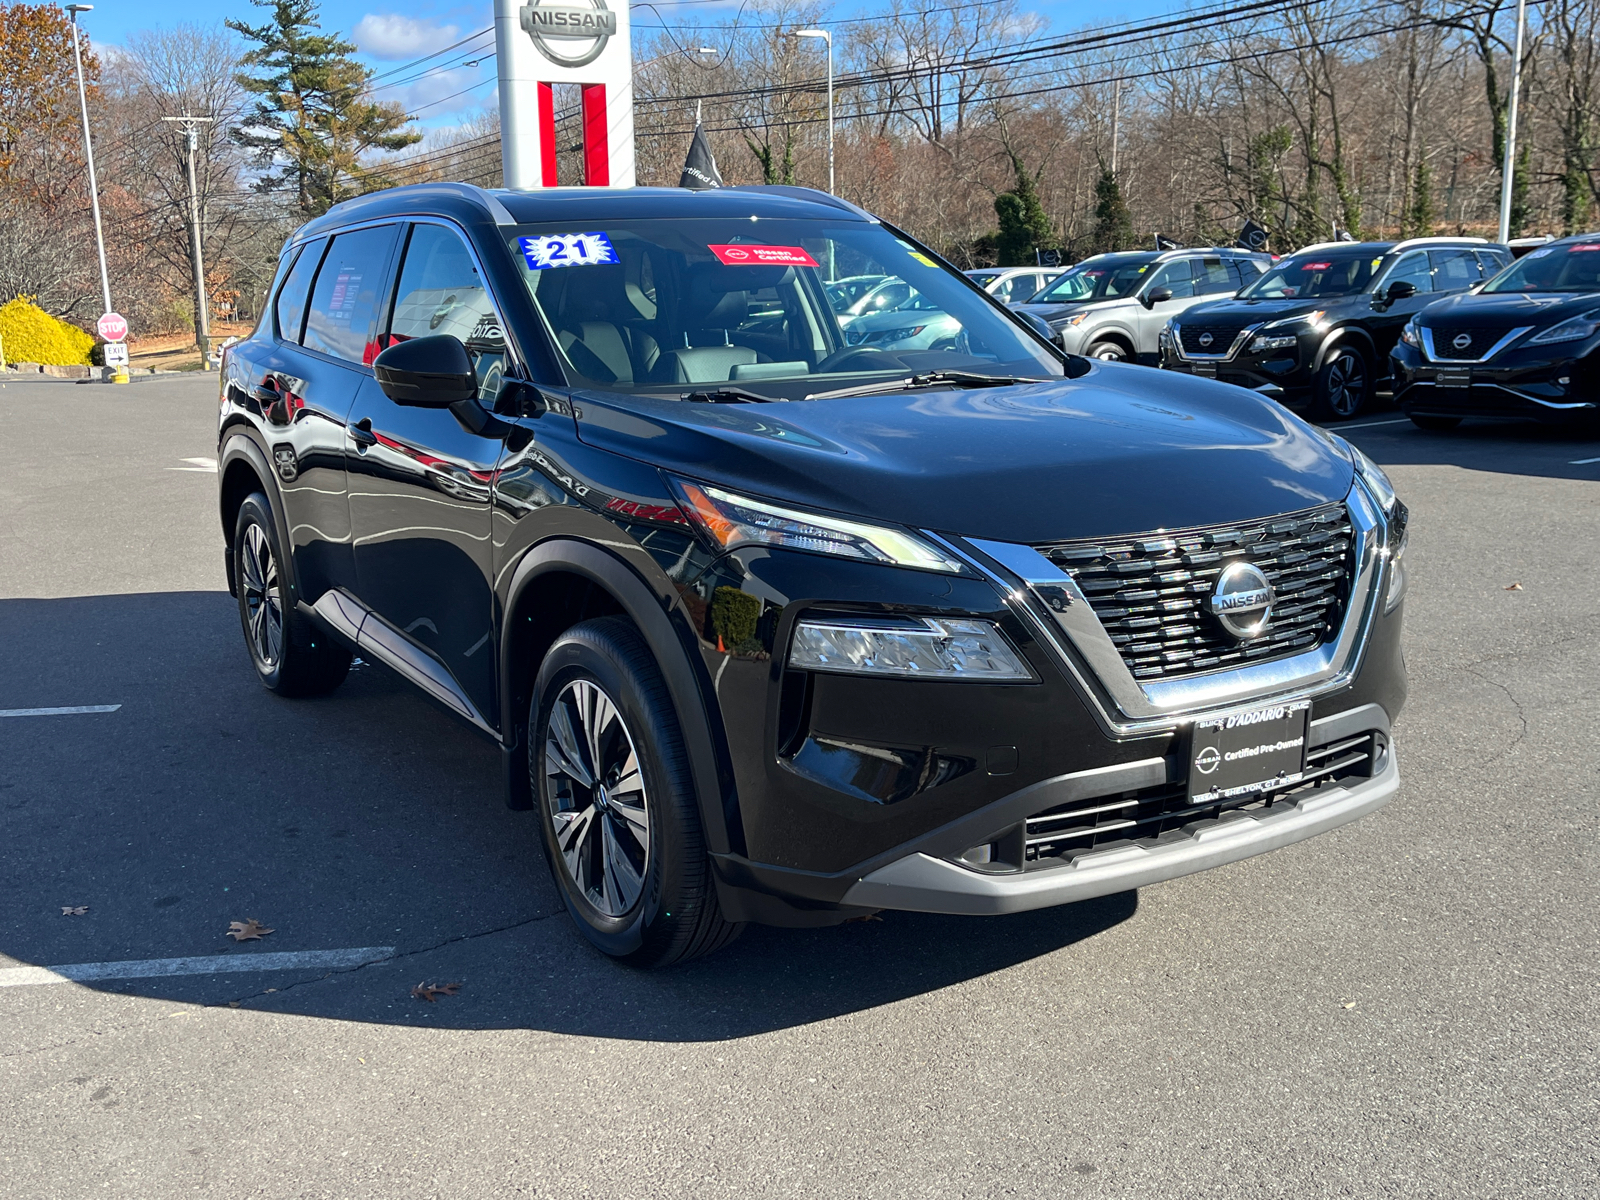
263 597
1109 352
1347 383
596 794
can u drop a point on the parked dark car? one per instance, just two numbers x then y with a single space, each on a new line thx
1525 344
1114 306
773 628
1317 329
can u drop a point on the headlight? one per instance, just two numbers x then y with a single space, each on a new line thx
1395 514
1312 318
1408 335
1077 319
894 335
1273 343
907 648
1574 330
731 520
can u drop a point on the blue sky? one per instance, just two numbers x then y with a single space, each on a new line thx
390 34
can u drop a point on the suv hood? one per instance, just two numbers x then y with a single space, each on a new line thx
1060 312
1121 449
1513 308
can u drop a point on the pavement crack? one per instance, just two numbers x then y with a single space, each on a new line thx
1516 704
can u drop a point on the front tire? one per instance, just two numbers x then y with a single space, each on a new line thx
1434 424
1109 352
290 655
616 800
1343 387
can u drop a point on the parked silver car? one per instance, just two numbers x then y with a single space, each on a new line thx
1013 285
1113 306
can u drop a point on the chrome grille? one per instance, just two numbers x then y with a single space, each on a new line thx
1068 829
1150 591
1222 336
1483 337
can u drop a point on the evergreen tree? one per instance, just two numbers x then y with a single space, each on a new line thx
1024 227
1421 218
310 123
1113 225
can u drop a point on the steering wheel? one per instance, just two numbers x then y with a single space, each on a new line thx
859 359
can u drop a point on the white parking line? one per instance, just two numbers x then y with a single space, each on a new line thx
210 964
59 712
1370 424
1583 462
206 466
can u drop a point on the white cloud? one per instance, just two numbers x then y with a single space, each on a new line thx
392 36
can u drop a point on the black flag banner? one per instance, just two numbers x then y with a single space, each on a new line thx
1253 236
1163 242
700 168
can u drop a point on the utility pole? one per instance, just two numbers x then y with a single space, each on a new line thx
1508 174
827 38
202 304
1116 121
88 149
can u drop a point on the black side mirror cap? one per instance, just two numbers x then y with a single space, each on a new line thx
428 372
1156 295
1400 290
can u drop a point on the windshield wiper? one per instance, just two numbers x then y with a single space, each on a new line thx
730 395
906 382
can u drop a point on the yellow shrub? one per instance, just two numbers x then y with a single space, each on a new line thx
29 334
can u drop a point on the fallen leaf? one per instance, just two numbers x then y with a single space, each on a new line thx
1352 1004
432 991
74 912
1515 587
251 930
862 919
235 1003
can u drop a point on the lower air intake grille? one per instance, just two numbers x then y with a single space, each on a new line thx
1150 591
1069 829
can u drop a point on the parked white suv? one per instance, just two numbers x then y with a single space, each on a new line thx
1113 306
1012 285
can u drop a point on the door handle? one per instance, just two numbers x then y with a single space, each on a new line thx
361 433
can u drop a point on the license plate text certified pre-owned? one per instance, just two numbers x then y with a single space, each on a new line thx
1206 370
1453 377
1248 751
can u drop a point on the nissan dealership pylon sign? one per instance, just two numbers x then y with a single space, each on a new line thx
546 42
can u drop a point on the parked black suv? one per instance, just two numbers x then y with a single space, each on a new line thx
1525 344
769 627
1318 327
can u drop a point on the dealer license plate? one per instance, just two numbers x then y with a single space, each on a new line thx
1206 370
1454 377
1248 751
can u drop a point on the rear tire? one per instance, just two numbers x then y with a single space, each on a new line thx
1109 352
1434 424
291 656
1344 386
617 805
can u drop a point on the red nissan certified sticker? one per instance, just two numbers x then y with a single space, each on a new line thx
1316 266
1584 246
763 256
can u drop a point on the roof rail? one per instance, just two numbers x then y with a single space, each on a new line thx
1319 246
815 195
1437 241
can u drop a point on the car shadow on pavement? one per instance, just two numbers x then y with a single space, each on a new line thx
364 819
1505 447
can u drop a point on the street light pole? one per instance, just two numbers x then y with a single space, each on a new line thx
88 147
827 37
202 310
1508 173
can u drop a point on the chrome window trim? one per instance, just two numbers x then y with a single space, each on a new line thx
1049 601
1426 334
1245 335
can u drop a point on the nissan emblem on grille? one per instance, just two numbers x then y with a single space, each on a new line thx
1205 339
1462 341
1242 600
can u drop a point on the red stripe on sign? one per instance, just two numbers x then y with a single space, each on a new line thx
547 135
596 152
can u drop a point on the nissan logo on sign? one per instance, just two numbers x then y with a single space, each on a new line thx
554 25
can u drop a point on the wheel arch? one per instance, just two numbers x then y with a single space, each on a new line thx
242 469
1111 333
1346 335
562 581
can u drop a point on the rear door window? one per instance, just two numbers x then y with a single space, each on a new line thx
289 310
441 292
1454 270
1212 277
342 320
1492 263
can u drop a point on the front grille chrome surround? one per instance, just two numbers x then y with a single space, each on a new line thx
1150 592
1049 601
1437 343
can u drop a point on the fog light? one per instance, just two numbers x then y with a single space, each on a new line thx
1564 380
907 648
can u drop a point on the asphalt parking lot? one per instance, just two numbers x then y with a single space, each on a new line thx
1409 1006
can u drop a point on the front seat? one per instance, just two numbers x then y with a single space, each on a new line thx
709 309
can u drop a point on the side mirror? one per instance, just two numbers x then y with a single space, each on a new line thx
429 372
1400 290
1156 295
1036 323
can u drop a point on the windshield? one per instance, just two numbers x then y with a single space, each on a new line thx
1104 277
658 305
1315 275
1570 268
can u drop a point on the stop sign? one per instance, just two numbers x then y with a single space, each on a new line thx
113 327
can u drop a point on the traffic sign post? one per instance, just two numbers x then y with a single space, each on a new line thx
116 354
113 327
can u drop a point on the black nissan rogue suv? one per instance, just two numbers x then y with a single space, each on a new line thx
1525 344
1317 328
770 627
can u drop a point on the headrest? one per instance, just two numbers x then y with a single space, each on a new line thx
715 297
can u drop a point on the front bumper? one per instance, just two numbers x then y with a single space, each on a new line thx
1280 374
1522 384
923 882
